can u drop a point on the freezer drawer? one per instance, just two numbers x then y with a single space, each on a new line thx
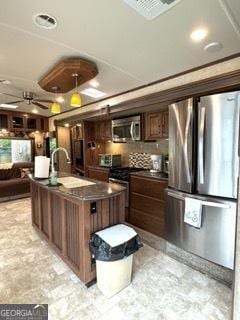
215 240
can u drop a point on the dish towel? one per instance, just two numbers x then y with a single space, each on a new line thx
193 212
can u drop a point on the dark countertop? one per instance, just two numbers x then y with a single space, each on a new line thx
99 190
152 175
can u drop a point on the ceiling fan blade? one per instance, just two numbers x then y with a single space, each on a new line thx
12 102
10 95
39 105
43 100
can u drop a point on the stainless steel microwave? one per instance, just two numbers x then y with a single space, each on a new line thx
126 129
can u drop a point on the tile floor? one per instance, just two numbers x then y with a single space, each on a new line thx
162 288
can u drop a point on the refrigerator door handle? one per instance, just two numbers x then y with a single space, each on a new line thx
201 145
131 131
204 203
189 113
216 204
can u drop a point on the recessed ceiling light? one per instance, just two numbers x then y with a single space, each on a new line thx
199 34
66 125
8 106
34 111
45 21
213 47
94 93
94 83
5 81
60 99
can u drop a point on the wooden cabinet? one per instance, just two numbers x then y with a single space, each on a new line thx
98 173
3 121
32 124
103 130
156 125
67 223
18 121
147 204
77 132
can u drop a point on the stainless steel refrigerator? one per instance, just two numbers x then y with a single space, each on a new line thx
203 164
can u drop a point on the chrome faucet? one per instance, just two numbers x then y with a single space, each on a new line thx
53 154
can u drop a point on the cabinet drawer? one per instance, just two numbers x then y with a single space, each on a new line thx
146 222
152 207
98 175
148 187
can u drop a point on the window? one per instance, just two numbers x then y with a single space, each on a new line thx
15 150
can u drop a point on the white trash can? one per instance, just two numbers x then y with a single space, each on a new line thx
113 250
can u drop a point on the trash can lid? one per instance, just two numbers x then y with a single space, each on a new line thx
117 234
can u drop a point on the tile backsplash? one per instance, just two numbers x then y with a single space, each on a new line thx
159 147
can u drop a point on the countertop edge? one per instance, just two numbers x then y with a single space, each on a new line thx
75 197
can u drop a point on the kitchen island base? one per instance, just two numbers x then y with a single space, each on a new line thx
67 223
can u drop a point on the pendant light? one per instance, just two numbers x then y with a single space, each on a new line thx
76 100
55 107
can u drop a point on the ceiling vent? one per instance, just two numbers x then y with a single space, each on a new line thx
151 9
45 21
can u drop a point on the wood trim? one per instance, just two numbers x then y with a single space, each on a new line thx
49 216
64 228
60 75
215 84
236 55
39 207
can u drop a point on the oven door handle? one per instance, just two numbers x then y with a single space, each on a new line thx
117 181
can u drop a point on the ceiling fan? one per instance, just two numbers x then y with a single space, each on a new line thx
29 98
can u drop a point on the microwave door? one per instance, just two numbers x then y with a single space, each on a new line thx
136 130
123 132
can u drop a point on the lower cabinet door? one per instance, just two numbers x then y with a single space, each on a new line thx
148 214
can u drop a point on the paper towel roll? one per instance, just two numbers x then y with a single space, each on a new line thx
41 167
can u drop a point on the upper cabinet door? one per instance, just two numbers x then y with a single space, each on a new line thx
164 124
77 132
103 130
4 121
156 125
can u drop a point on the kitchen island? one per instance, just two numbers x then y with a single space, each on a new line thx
66 216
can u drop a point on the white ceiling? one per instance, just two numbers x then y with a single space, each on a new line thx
128 50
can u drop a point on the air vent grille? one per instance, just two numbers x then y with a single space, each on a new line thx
151 9
45 21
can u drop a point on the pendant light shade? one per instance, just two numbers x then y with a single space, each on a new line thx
55 108
76 100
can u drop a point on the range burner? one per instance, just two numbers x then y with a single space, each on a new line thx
123 173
